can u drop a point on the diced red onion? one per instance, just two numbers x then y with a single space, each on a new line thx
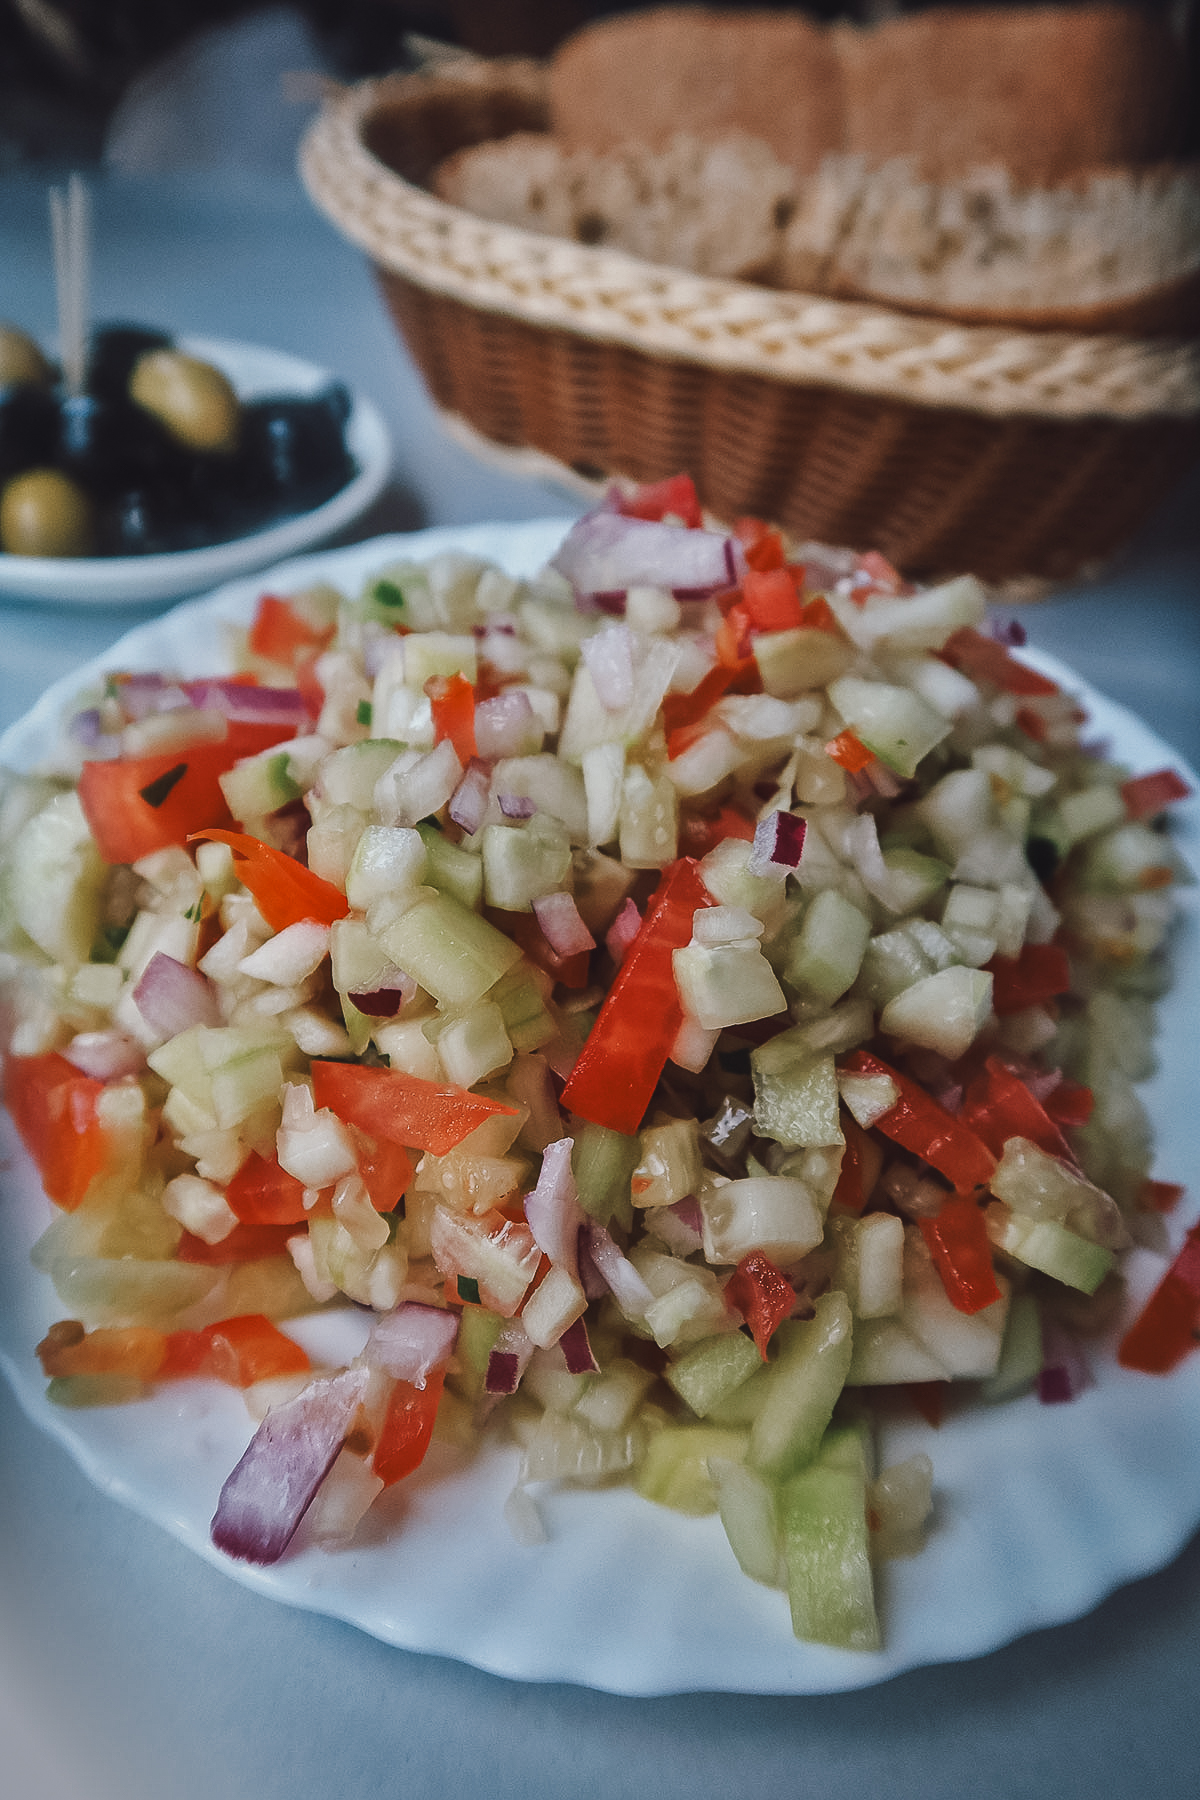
289 1456
605 554
108 1055
687 1211
469 801
516 806
1065 1373
142 694
393 991
778 843
248 703
171 997
504 723
412 1340
85 726
509 1359
552 1210
622 931
609 658
1009 632
620 1277
564 930
577 1350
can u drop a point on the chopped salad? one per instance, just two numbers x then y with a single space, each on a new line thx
686 1003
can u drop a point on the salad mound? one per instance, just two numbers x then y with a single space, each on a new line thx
684 1006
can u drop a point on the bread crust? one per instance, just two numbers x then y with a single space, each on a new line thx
1048 92
641 78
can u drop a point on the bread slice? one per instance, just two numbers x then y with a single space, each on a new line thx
1048 93
717 207
641 78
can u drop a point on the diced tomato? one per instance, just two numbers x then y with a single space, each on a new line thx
133 1350
262 1193
734 647
135 805
1145 796
1041 972
998 1105
285 892
919 1124
817 615
399 1108
627 1049
763 1295
983 659
675 497
1159 1196
770 598
407 1428
849 751
1168 1326
962 1253
56 1111
762 543
238 1351
245 1243
885 577
280 634
452 702
386 1171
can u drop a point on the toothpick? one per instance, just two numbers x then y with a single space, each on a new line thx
71 236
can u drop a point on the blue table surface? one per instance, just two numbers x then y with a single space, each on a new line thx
130 1668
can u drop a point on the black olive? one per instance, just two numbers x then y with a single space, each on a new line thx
28 428
109 444
112 352
140 523
293 450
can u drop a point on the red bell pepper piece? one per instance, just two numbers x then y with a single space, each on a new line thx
817 615
849 751
675 497
401 1109
262 1193
983 659
1145 796
962 1253
1159 1196
138 804
627 1048
1168 1325
1070 1103
407 1428
762 543
763 1295
771 600
281 635
285 892
998 1105
919 1124
238 1351
55 1110
1039 973
452 702
860 1167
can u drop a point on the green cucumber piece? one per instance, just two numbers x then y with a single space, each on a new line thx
805 1380
674 1469
709 1371
826 1547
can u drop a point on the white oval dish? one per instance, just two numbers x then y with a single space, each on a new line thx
148 580
1040 1511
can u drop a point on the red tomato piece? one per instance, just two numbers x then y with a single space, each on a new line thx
55 1109
386 1171
262 1193
675 497
771 600
1159 1196
281 635
407 1428
983 659
762 543
763 1295
452 702
238 1351
399 1108
627 1048
962 1253
699 832
285 892
734 647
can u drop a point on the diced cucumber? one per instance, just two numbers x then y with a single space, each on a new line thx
929 1339
475 1044
708 1372
826 954
1020 1352
449 950
805 1380
674 1469
521 864
944 1011
603 1162
795 1093
1046 1245
870 1263
259 785
892 721
747 1504
669 1167
726 984
55 879
798 660
826 1548
450 868
777 1214
348 775
388 860
649 819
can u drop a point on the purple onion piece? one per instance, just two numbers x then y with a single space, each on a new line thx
623 930
778 842
605 554
562 927
504 724
509 1359
516 806
411 1341
108 1055
620 1277
171 997
552 1210
289 1456
247 703
469 801
577 1350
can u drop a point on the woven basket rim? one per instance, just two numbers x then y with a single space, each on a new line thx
717 324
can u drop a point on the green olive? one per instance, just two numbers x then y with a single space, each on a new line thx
44 513
193 400
20 358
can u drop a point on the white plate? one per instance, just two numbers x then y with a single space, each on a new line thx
1041 1511
147 580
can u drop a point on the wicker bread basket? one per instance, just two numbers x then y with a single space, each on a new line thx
1027 457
